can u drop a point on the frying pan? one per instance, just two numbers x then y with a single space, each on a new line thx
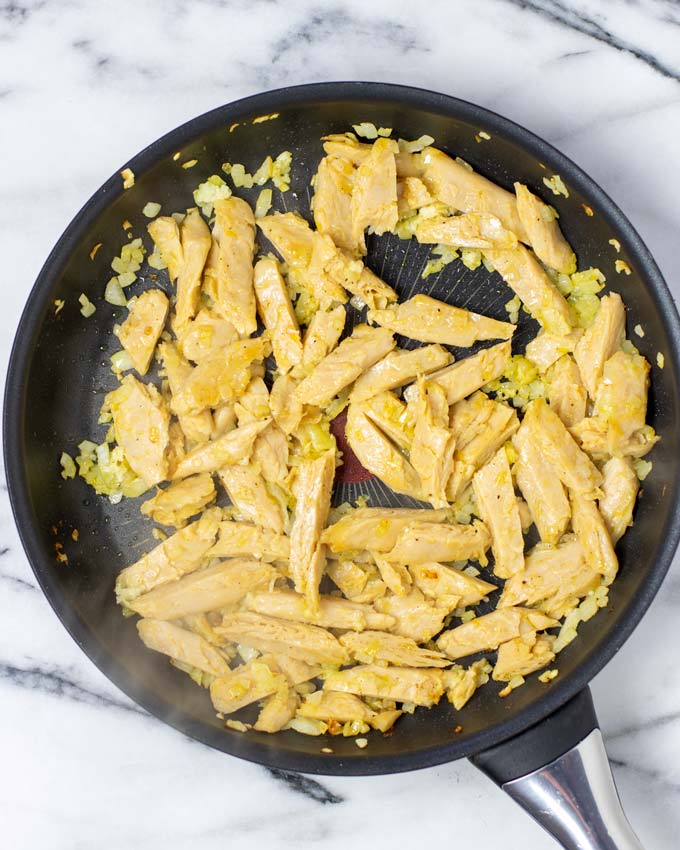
541 743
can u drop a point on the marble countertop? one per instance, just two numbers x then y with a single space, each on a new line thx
85 85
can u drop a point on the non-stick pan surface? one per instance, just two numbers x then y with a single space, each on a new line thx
59 373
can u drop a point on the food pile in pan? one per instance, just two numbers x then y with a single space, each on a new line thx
339 619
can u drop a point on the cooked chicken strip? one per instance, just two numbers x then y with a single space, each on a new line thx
397 368
277 314
292 237
522 656
323 333
374 528
621 399
396 577
235 234
481 426
293 669
307 254
600 341
203 590
333 201
240 539
417 618
460 188
520 269
466 376
358 582
347 146
593 435
204 335
202 625
445 584
277 710
411 195
246 684
231 447
141 424
333 613
320 267
541 488
179 554
374 192
335 705
619 491
572 466
344 365
270 453
312 491
592 534
196 244
421 542
498 507
554 578
389 413
185 646
285 407
369 647
139 333
180 501
404 684
253 404
331 272
470 230
491 630
248 492
428 320
222 376
164 231
366 286
269 634
545 236
431 453
196 427
546 348
566 393
379 455
461 683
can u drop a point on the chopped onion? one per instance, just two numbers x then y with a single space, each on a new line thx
87 307
120 361
264 203
151 209
114 293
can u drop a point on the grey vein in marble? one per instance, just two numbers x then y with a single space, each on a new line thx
307 786
55 683
566 15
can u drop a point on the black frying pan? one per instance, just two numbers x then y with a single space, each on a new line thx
59 372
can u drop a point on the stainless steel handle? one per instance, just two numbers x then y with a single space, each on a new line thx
574 798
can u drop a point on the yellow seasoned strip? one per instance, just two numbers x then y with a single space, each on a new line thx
428 320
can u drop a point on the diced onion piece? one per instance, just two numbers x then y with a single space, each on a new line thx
128 176
366 130
416 145
121 362
68 467
281 171
213 189
264 203
114 293
87 308
151 209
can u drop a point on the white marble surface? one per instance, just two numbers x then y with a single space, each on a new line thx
83 86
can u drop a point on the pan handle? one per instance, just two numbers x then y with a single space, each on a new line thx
559 773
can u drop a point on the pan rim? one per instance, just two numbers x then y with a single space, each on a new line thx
15 401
